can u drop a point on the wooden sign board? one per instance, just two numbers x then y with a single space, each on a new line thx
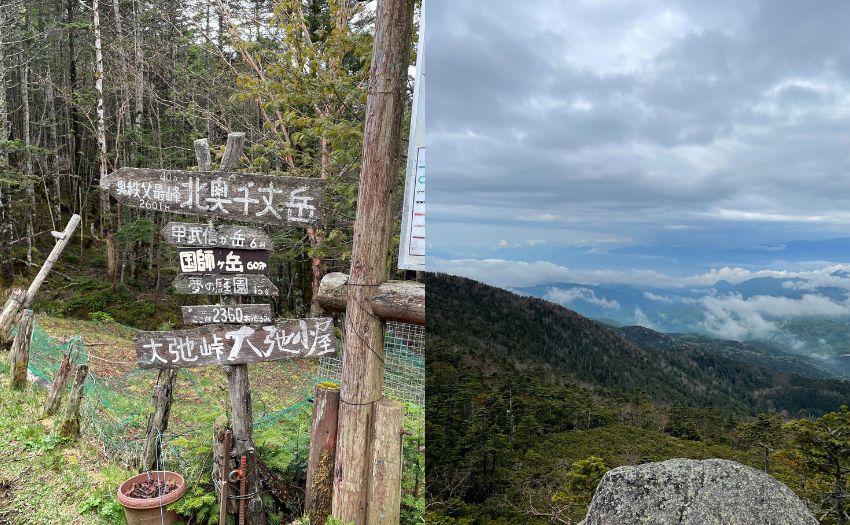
236 284
207 236
247 197
220 344
222 260
230 313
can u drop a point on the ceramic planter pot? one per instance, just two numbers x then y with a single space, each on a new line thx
151 511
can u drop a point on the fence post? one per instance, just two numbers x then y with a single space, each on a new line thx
163 393
320 463
20 354
60 382
70 427
386 462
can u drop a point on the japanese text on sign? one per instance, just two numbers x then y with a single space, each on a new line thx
234 344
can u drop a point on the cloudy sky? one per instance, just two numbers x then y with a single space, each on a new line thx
640 141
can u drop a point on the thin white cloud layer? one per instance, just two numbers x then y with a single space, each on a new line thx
566 296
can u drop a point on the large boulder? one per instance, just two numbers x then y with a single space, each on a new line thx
689 492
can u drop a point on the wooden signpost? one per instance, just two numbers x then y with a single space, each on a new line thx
216 284
246 197
219 313
235 344
228 261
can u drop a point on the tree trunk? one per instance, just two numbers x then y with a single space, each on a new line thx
5 195
25 129
363 370
105 212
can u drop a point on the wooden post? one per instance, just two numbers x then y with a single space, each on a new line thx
163 394
241 420
8 316
386 462
232 151
70 427
402 301
57 390
202 154
10 308
363 367
320 462
222 439
20 354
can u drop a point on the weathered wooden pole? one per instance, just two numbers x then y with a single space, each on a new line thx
320 462
11 310
163 394
402 301
363 366
202 154
70 426
221 465
232 151
386 462
20 355
238 386
241 421
60 383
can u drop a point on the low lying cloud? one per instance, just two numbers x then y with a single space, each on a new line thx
641 319
565 297
668 299
733 317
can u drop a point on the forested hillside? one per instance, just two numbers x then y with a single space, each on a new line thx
529 403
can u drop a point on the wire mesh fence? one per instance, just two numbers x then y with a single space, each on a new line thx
404 363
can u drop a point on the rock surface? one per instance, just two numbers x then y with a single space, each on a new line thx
690 492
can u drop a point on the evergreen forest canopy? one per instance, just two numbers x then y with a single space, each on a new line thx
291 74
530 403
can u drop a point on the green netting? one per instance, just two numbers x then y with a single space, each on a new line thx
118 397
117 401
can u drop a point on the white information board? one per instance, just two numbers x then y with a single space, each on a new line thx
411 252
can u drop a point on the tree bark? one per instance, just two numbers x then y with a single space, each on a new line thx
362 373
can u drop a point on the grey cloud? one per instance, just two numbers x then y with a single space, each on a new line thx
708 106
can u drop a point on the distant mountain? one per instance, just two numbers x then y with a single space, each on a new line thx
741 377
751 352
776 311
